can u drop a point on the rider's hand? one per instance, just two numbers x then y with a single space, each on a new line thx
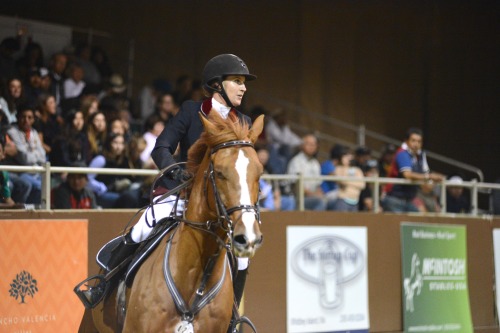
179 174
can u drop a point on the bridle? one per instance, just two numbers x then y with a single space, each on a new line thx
223 213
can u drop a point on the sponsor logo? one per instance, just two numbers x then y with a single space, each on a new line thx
22 286
328 262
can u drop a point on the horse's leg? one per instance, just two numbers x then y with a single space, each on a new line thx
104 315
87 324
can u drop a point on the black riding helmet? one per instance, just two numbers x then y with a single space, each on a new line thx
222 66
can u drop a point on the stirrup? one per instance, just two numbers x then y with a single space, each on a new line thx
240 320
91 296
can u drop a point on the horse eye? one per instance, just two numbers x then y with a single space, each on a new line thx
219 175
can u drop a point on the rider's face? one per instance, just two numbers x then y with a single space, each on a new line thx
235 88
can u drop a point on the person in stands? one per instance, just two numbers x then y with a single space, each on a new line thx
73 193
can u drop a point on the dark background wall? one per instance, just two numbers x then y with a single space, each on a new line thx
386 64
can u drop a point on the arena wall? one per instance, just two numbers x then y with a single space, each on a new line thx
265 295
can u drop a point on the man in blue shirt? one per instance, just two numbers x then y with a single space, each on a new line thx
409 163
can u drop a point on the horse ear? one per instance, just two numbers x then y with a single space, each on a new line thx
257 127
207 124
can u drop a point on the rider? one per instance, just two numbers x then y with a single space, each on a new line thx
224 78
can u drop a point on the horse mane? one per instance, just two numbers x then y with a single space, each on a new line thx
228 129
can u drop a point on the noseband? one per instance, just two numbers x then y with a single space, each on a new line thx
223 212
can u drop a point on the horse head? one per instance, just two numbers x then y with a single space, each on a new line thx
231 171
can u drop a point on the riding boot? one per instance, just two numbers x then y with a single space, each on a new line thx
239 285
124 249
92 290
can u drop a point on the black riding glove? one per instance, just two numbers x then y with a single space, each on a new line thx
179 174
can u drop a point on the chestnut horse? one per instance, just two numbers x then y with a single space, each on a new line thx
185 285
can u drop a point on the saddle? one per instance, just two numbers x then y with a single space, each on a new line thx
147 246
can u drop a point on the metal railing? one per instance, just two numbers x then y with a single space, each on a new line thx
360 131
47 171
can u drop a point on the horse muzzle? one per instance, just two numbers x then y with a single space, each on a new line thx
245 247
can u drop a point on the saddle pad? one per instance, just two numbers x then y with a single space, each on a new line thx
148 246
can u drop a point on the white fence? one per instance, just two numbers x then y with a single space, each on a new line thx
47 170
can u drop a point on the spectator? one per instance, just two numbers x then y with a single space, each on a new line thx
270 196
29 150
32 58
456 200
305 163
137 194
19 188
12 98
329 187
197 93
366 203
153 127
74 84
72 145
279 134
113 99
101 62
349 190
96 132
166 107
47 123
386 158
117 126
409 163
426 200
73 193
89 105
6 200
362 155
91 74
8 47
183 88
37 84
149 96
57 70
108 188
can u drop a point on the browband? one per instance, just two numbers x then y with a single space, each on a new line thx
231 144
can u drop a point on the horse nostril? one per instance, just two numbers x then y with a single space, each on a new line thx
240 240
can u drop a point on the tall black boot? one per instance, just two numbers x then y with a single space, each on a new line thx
238 288
124 249
239 285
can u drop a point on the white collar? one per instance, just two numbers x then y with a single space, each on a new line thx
220 108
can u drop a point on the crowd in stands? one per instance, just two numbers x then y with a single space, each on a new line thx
74 111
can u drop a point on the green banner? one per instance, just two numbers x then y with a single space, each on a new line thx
435 289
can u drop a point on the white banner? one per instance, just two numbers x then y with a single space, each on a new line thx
327 279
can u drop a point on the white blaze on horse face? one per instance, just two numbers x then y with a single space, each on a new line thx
248 218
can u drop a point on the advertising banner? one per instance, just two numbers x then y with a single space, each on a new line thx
496 251
327 279
41 262
435 289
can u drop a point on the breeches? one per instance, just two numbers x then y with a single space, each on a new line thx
160 210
